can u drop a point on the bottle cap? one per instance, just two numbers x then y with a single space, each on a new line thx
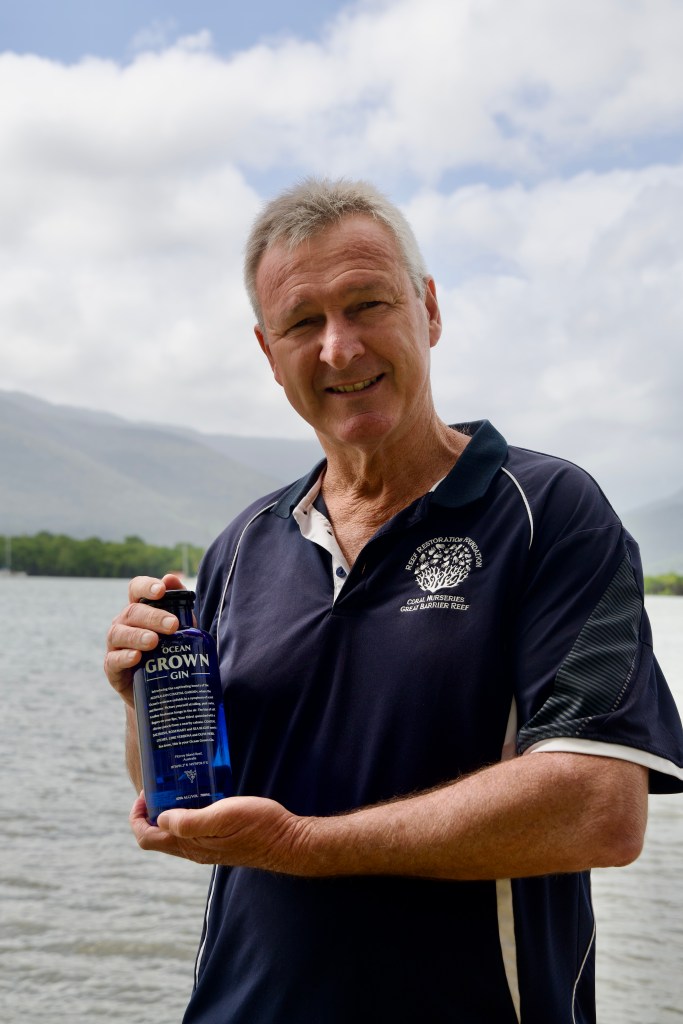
172 600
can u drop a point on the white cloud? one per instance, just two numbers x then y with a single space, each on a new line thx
126 193
427 88
564 313
159 34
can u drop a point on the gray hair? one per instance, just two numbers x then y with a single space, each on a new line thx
303 210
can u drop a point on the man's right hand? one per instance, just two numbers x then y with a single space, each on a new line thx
136 629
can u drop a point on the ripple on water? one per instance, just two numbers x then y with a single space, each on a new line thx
101 933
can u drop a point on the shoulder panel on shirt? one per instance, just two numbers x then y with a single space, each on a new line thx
593 677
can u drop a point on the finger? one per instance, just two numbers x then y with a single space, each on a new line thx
190 824
135 626
122 636
133 632
139 808
173 582
145 586
138 627
120 663
153 588
149 837
118 668
157 839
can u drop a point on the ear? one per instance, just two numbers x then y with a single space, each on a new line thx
433 312
265 348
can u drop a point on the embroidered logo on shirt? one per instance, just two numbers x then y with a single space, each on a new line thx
442 564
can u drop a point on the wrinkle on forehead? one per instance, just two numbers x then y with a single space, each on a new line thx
356 240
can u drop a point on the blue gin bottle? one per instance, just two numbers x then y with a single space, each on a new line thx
181 717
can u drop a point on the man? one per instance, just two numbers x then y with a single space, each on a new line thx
442 702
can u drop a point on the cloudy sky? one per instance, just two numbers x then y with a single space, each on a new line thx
536 147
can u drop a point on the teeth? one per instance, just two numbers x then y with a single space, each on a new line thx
343 389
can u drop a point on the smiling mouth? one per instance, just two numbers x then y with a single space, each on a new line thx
362 385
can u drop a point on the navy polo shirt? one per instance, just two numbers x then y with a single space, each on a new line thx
500 613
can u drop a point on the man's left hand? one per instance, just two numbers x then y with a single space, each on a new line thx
241 831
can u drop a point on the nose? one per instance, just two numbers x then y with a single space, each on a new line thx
340 343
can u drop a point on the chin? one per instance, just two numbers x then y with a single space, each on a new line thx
362 430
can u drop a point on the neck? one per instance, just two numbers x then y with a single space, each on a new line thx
388 477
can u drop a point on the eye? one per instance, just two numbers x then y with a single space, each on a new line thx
301 325
370 304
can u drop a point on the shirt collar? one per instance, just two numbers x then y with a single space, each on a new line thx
472 474
298 491
469 479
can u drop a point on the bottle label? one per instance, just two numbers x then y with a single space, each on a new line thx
181 714
181 724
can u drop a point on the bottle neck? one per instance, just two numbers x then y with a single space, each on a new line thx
184 615
179 603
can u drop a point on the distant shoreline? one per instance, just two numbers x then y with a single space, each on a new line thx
667 585
48 554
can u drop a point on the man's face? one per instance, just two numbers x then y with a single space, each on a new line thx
346 335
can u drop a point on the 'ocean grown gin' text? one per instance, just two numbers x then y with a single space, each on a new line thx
180 715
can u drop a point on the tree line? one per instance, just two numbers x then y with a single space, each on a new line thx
50 554
669 584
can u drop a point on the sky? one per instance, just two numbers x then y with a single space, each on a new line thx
535 147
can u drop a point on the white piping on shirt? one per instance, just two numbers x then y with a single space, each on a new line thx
577 745
504 905
578 976
202 947
510 742
524 499
232 566
212 884
506 935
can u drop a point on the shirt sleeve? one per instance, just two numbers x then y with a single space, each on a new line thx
586 679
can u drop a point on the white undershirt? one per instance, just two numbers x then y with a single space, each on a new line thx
317 528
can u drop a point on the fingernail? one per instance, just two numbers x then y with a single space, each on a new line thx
148 638
156 589
170 622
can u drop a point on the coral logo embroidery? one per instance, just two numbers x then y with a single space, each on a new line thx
442 564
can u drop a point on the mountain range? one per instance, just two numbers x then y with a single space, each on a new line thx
84 473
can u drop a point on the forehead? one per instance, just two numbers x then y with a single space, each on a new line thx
351 252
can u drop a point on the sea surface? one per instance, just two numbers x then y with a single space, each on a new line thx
95 930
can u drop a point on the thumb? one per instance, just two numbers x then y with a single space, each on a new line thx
185 823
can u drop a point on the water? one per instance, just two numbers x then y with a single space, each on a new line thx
95 930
